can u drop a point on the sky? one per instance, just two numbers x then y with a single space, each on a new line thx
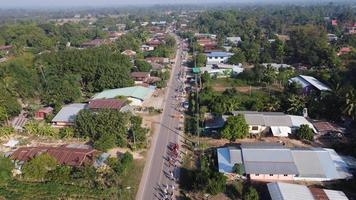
105 3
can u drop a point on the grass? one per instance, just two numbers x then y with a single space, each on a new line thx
132 180
23 190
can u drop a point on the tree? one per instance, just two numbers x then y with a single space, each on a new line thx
61 174
143 66
6 167
238 57
216 183
251 194
305 133
235 128
295 104
38 167
200 60
350 104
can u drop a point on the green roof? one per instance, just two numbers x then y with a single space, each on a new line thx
196 70
137 92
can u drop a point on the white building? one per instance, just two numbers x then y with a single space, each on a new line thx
222 70
218 57
234 40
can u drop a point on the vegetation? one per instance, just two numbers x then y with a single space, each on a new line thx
108 128
235 128
38 167
6 167
251 194
305 133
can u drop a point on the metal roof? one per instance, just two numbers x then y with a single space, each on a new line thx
309 80
235 156
287 191
315 163
218 54
225 166
69 112
106 103
137 92
268 161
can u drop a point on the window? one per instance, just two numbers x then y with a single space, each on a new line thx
255 128
257 174
216 57
285 174
271 175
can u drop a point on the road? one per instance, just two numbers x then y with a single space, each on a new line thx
156 175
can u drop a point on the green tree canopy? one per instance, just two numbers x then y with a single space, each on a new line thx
38 167
235 128
305 132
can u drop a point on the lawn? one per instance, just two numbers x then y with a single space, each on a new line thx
132 180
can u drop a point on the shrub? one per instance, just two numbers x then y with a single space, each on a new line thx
305 133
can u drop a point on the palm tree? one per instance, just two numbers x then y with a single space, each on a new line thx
296 104
350 104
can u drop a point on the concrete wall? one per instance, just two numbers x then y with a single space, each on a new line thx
274 177
258 131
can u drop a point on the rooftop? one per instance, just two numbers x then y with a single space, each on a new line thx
106 103
309 80
137 92
218 54
69 112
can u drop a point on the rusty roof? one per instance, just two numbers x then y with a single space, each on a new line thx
139 74
64 155
325 127
318 194
45 110
106 103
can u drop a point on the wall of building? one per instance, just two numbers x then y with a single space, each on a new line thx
259 130
216 60
271 177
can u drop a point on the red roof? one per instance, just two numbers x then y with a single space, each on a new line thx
6 47
46 110
140 74
64 156
106 103
325 127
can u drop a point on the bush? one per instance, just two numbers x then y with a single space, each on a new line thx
60 175
305 133
38 167
238 169
251 194
6 167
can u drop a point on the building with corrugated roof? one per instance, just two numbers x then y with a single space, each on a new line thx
271 162
136 95
309 84
287 191
66 116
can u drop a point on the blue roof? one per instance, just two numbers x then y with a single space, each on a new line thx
69 112
224 160
218 54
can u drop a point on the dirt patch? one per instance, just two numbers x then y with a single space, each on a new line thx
117 151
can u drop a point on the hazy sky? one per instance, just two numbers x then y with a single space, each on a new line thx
83 3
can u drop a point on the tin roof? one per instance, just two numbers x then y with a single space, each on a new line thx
106 103
69 112
137 92
63 155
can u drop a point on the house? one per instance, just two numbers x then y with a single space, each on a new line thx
66 116
288 191
274 162
218 57
276 123
283 38
332 37
74 157
234 40
113 35
205 35
310 84
154 42
93 43
5 49
277 66
159 60
42 113
327 129
136 95
98 104
207 43
147 48
222 70
140 77
334 22
344 50
129 53
19 122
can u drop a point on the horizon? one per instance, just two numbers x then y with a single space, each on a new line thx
40 4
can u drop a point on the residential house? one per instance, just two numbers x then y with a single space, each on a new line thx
274 162
277 66
42 113
222 70
98 104
159 60
19 122
5 49
276 123
136 95
234 40
207 43
205 35
140 77
332 37
327 129
147 48
113 35
288 191
154 42
129 53
344 50
66 116
283 38
93 43
74 157
310 84
334 22
218 57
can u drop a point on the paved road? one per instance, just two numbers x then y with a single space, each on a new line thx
156 175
